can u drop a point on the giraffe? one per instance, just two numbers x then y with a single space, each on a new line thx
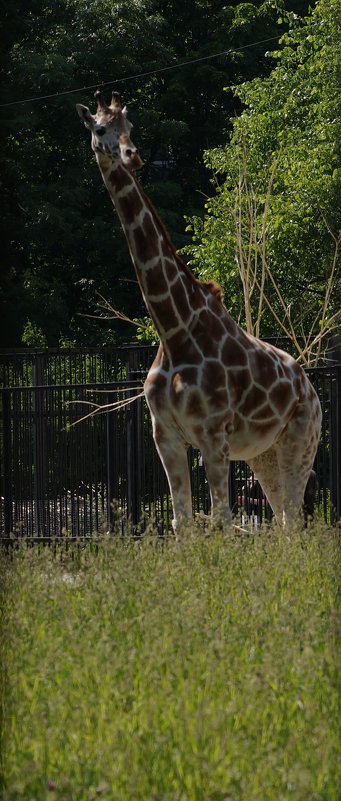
211 385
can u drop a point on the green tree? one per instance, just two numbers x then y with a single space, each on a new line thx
276 210
60 227
62 240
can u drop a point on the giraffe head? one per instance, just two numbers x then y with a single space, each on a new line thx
110 130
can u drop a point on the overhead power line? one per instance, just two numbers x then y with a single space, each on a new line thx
139 74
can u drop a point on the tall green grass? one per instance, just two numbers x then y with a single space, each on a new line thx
173 671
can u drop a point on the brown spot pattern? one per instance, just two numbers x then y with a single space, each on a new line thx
130 206
119 177
207 331
281 396
182 349
233 354
213 378
165 313
254 398
170 268
230 325
263 368
216 329
195 406
165 248
196 294
263 427
189 375
263 413
146 240
155 281
238 423
280 370
181 301
238 382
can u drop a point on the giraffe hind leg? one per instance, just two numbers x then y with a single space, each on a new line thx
296 450
284 477
295 470
266 470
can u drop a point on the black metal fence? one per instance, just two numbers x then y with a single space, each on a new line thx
65 473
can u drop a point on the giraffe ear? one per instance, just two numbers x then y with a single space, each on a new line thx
84 114
125 111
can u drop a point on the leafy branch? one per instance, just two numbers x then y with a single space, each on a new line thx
250 217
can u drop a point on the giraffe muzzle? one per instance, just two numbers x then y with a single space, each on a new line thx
131 159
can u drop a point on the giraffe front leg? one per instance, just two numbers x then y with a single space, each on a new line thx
173 454
215 454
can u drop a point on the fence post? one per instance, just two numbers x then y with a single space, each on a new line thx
6 422
110 464
133 488
39 443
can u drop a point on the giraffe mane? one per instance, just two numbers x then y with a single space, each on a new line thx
211 286
214 288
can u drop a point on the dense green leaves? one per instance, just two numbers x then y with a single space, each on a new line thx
285 145
61 238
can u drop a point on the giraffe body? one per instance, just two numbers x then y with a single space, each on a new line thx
211 385
265 413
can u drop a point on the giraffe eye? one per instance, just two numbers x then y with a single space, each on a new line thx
100 131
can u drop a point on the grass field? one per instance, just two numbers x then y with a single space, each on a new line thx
204 669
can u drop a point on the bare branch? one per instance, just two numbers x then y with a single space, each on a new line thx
115 314
101 409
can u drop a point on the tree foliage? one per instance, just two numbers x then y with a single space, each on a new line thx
61 238
277 202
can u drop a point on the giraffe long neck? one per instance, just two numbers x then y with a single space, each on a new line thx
169 289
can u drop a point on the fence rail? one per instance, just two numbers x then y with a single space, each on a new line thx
60 477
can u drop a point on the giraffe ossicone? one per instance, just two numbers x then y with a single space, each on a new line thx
211 385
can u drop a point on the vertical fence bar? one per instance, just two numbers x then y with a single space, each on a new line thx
39 444
130 457
110 456
7 462
133 483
